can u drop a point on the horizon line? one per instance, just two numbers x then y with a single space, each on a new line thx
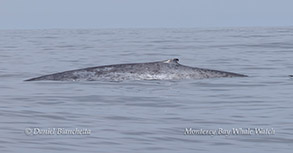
105 28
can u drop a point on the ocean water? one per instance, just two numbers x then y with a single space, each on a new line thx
209 115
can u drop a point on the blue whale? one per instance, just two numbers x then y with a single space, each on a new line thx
161 70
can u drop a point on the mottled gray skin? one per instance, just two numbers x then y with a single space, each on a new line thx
162 70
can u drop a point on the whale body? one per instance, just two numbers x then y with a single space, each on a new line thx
161 70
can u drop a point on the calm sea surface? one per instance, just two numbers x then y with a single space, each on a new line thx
147 116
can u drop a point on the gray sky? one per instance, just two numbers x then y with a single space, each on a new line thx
39 14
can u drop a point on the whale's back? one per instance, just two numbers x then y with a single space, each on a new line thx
162 70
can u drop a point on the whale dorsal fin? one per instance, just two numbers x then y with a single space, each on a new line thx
173 60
